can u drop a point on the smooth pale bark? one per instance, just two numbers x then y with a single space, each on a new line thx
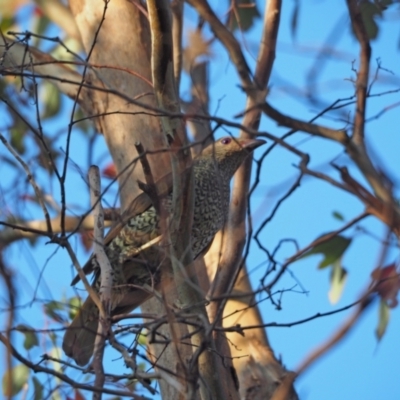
122 50
258 370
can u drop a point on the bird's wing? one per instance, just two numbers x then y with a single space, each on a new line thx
139 205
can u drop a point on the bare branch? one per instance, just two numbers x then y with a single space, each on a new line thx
337 336
15 55
356 152
363 72
339 136
227 39
106 276
36 367
316 242
32 181
32 229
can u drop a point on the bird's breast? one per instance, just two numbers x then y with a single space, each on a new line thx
210 210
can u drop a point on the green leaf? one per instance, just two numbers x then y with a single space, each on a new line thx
246 12
38 389
338 280
17 139
19 377
85 125
6 23
370 12
31 339
337 215
332 250
384 318
57 354
142 339
51 98
74 305
42 24
51 309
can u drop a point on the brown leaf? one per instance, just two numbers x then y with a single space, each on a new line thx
387 284
78 395
87 239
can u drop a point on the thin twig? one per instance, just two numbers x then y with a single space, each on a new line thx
227 39
316 242
32 181
337 336
105 274
64 378
70 125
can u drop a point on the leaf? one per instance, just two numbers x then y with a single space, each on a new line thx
370 12
17 139
78 395
384 318
337 215
338 280
74 305
142 339
38 389
56 353
387 284
31 339
51 309
42 22
51 98
19 377
86 239
85 124
244 15
332 250
6 23
109 171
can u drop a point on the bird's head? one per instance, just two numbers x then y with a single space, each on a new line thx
229 153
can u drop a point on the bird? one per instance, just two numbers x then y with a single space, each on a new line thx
212 172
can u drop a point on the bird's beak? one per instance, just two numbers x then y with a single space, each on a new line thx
252 144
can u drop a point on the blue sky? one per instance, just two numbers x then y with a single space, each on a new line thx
359 367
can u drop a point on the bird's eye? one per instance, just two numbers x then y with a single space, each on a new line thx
226 140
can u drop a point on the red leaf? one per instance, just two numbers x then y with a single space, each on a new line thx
387 284
87 239
38 12
78 395
110 171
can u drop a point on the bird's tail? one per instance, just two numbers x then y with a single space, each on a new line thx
80 336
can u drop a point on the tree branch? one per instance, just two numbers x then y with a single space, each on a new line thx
15 55
363 72
32 181
106 277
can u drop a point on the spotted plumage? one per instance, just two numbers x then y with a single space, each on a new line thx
212 172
